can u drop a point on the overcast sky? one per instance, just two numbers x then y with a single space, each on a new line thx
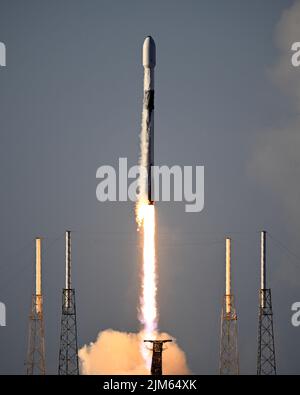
71 101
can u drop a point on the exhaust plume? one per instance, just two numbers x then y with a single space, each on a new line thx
116 352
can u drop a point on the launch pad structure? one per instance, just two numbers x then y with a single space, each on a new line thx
68 363
266 359
229 355
68 352
157 350
36 363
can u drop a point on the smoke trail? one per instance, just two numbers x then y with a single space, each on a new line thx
143 160
142 197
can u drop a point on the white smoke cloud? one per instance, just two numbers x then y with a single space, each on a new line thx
276 160
120 353
287 32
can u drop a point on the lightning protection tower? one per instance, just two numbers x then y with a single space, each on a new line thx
157 350
266 361
68 352
229 356
36 343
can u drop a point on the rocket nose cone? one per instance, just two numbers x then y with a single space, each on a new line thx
149 52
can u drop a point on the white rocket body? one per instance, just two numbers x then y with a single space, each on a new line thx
149 62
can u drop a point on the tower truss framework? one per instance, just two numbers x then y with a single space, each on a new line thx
266 359
36 361
229 355
68 352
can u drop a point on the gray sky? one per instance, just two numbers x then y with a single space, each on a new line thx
71 100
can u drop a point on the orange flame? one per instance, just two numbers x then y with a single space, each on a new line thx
148 305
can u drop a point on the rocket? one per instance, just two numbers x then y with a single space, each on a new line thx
149 62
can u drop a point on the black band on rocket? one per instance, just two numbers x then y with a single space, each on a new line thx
149 100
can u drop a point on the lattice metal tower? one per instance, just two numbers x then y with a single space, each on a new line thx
157 350
229 356
68 352
266 361
36 342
